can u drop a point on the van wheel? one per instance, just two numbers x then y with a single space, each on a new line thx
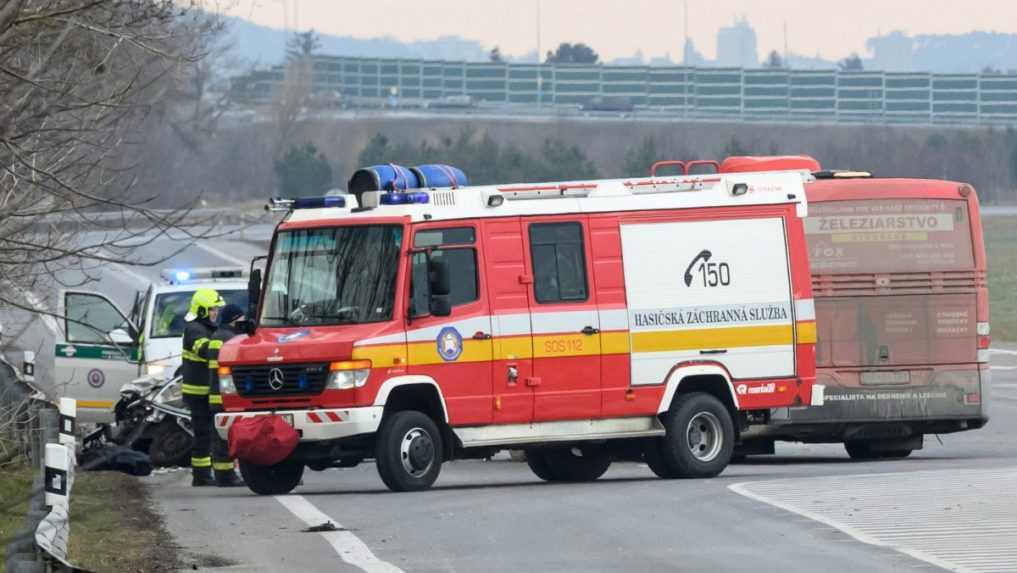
568 464
698 442
408 452
272 480
170 445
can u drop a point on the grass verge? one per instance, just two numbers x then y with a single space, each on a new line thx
15 484
113 526
1000 235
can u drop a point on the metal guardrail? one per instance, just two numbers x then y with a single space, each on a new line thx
32 426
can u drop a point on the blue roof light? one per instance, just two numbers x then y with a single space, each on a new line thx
418 197
319 202
182 276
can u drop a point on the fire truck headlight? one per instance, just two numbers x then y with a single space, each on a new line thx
226 385
348 374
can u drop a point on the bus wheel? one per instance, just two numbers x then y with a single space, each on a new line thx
860 450
699 439
408 451
895 454
272 480
568 464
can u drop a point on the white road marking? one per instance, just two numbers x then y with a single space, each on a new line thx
222 255
1004 368
1001 351
349 547
954 519
139 278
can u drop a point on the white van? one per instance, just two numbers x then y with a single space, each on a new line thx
100 348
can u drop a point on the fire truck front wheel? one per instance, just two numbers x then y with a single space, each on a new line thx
272 480
698 442
408 451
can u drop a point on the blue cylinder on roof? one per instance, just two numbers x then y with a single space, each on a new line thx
388 177
433 175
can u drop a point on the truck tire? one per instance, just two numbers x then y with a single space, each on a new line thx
565 464
170 445
408 451
698 442
272 480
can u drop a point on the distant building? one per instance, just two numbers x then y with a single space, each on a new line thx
893 52
691 56
736 46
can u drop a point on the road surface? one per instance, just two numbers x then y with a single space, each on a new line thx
948 507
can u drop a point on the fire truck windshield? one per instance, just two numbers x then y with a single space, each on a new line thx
332 275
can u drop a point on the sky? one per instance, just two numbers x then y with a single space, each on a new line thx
832 29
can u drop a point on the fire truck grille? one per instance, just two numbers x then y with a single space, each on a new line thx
280 380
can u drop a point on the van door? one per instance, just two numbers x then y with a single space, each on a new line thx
95 355
565 320
508 275
454 350
716 290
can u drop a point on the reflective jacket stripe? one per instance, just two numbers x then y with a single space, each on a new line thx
205 462
222 466
215 399
194 390
188 355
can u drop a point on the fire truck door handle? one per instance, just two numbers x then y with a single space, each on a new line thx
716 351
589 330
481 336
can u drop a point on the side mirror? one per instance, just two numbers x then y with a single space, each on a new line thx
439 305
439 277
120 337
253 296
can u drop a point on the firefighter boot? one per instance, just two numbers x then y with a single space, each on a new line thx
201 477
228 478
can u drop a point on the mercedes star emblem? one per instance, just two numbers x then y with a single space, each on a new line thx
276 379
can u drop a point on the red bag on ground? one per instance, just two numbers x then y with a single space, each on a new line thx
262 440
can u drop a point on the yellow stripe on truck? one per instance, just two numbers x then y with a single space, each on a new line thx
731 337
807 332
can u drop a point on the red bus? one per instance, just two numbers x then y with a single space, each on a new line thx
902 315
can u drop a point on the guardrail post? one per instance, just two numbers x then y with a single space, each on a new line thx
68 422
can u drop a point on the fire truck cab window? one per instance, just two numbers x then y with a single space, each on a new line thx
462 264
559 263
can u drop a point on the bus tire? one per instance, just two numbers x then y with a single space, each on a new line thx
408 451
569 464
860 450
699 439
895 454
170 445
272 480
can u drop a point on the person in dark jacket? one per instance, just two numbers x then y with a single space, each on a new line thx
198 332
222 466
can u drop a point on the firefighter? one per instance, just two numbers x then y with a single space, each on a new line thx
198 332
222 466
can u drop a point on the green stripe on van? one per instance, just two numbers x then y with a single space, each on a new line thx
97 352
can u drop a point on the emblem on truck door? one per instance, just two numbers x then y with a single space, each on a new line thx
450 344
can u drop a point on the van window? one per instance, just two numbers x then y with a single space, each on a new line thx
559 262
462 264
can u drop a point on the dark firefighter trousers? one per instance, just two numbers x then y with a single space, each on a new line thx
209 450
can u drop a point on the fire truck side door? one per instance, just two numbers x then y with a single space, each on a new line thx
565 320
95 354
508 275
454 350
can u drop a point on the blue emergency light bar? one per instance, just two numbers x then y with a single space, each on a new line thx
418 197
319 202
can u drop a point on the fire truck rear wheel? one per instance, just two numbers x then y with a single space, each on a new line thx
408 451
568 464
272 480
698 442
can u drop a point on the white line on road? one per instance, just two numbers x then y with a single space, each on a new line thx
222 255
1001 351
139 278
949 518
349 547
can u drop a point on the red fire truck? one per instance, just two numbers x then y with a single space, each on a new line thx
902 313
583 322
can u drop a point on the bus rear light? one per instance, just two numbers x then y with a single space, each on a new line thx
972 398
984 342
